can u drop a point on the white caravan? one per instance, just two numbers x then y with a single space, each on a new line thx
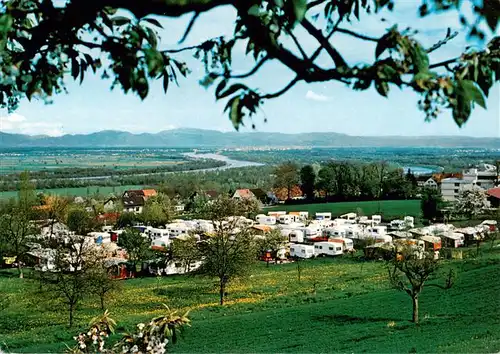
347 243
301 251
296 236
376 219
334 232
312 231
323 216
328 248
266 219
349 217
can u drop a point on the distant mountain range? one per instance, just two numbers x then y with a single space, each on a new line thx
198 138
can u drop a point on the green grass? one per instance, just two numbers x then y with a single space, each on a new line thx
351 309
77 191
387 208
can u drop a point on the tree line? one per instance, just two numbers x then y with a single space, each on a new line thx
68 177
343 181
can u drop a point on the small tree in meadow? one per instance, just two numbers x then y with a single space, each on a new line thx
136 245
409 273
230 251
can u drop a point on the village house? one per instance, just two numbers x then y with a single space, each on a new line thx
134 200
494 197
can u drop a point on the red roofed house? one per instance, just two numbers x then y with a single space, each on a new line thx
134 199
494 197
244 194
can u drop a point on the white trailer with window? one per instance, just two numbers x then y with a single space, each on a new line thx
266 219
301 251
328 248
323 216
296 235
347 242
312 231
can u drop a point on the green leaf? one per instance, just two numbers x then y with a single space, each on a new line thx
181 67
382 87
461 108
299 9
166 81
153 22
75 68
232 89
420 58
120 20
382 45
254 10
235 114
152 39
220 87
473 92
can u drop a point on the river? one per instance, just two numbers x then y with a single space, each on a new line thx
230 163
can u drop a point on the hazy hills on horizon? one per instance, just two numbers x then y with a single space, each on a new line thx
199 138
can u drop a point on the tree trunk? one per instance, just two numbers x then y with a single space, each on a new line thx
20 269
222 291
71 315
415 309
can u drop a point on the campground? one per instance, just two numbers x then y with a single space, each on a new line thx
342 305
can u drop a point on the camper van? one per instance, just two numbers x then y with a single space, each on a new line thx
453 239
296 236
266 219
334 232
377 230
176 229
323 216
397 225
348 244
328 248
376 219
301 251
312 231
432 243
286 219
349 217
155 233
160 243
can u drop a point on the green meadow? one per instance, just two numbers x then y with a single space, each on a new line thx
339 305
389 209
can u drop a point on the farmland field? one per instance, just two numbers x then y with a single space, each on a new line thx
387 208
77 191
37 159
339 305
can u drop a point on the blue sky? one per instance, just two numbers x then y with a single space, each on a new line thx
318 107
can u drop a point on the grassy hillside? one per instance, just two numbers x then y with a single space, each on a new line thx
340 305
387 208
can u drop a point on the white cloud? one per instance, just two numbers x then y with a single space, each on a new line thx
17 123
311 95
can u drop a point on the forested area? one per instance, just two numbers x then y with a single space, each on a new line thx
343 181
105 176
447 159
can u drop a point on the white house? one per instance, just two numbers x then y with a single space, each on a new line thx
430 183
451 187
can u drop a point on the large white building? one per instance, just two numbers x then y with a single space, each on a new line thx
484 176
